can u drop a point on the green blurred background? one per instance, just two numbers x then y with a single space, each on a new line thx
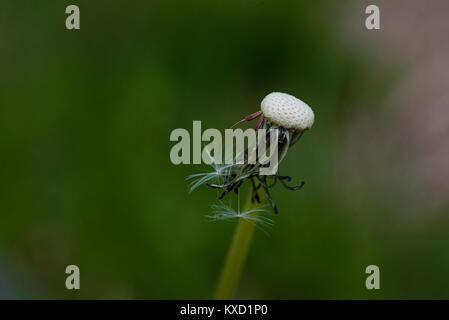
85 173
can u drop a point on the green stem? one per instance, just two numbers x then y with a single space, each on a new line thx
236 257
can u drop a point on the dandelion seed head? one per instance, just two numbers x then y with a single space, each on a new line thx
287 111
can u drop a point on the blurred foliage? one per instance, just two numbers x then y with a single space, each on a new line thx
86 179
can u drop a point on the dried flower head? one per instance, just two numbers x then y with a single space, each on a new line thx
290 118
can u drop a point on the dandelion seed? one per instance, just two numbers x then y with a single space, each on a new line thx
216 175
224 212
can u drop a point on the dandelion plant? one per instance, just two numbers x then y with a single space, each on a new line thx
283 118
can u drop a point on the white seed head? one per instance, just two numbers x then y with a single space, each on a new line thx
287 111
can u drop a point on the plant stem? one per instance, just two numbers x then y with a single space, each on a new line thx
236 257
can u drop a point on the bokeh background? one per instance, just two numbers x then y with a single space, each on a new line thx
85 173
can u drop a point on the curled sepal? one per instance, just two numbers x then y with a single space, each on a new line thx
289 187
